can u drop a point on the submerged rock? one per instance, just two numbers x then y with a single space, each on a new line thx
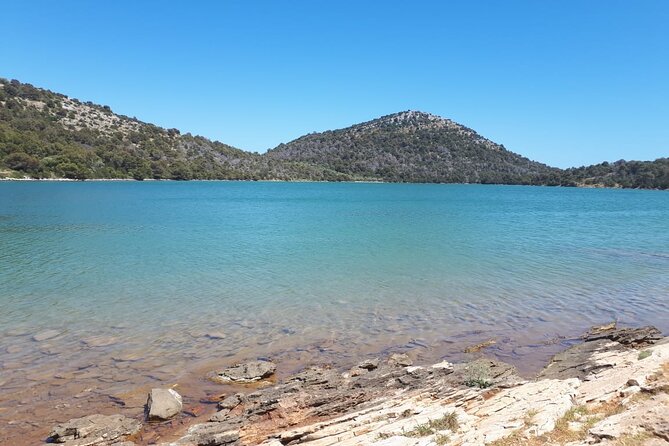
99 341
163 404
45 335
95 430
480 346
246 372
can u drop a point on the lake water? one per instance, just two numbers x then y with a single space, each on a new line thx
148 283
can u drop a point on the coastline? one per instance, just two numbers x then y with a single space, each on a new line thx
391 401
151 180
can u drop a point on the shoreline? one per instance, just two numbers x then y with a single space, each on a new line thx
322 403
151 180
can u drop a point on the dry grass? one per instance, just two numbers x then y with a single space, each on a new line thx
637 439
562 433
448 422
422 430
440 439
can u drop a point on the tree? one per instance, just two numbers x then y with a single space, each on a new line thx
21 161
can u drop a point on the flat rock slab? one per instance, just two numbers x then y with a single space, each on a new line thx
577 361
163 404
99 341
45 335
246 372
95 430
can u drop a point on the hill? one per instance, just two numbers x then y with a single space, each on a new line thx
49 135
413 146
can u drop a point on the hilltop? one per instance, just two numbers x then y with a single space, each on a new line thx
413 146
48 135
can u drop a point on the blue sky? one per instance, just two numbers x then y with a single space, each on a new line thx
563 82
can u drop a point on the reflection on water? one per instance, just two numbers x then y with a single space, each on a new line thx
109 288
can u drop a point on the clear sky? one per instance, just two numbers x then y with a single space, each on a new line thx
563 82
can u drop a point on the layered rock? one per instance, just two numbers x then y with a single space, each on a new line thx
95 430
611 389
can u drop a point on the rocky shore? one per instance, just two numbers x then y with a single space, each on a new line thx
611 389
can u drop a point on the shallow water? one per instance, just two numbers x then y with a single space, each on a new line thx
152 283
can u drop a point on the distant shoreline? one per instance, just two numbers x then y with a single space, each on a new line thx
110 180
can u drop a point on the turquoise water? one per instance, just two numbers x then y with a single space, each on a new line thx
301 271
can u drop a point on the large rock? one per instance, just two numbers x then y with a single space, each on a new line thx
93 430
578 361
163 404
636 337
246 372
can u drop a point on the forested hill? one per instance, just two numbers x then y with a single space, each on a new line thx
416 147
48 135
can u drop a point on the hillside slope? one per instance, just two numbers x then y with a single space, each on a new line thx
413 146
48 135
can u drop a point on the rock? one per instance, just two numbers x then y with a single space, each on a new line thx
45 335
95 430
210 434
99 341
369 364
649 415
659 429
215 335
400 359
444 366
635 337
163 404
578 362
480 346
13 349
220 416
231 401
246 372
357 371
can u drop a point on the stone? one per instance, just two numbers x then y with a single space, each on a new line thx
649 415
369 364
357 371
45 335
636 337
480 346
444 366
99 341
13 349
95 430
231 401
247 372
163 404
210 434
400 359
215 335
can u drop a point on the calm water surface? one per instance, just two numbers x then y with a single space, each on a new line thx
145 282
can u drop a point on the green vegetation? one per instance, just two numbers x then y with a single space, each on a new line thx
644 354
476 375
48 135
